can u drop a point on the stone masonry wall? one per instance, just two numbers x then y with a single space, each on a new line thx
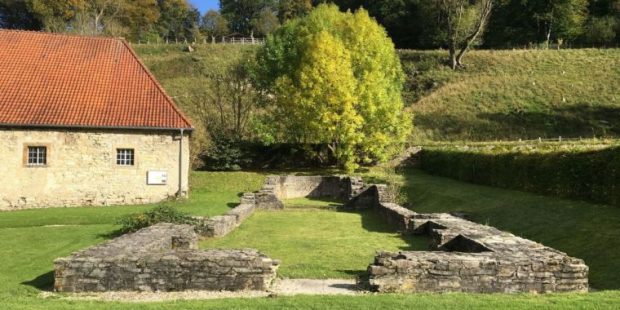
335 187
466 257
221 225
162 257
82 169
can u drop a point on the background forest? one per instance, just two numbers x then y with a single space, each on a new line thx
412 24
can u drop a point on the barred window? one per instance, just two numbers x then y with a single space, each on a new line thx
37 155
124 157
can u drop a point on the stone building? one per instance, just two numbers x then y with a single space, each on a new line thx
83 122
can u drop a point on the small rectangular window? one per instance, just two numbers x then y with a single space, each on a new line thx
124 157
37 156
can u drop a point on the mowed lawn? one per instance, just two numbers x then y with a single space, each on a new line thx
30 240
316 243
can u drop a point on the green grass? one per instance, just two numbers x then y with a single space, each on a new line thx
311 203
584 230
211 194
592 232
318 243
515 94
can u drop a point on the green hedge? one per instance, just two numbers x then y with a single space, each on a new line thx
583 175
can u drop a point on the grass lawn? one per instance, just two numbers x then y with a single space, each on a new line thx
30 240
581 229
318 243
311 203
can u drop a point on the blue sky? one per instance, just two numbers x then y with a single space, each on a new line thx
205 5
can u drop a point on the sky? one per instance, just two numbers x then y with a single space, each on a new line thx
205 5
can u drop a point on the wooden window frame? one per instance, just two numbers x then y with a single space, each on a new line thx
133 157
25 156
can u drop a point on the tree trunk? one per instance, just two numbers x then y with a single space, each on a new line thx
453 61
548 41
485 11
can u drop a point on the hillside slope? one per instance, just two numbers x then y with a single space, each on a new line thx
522 94
509 95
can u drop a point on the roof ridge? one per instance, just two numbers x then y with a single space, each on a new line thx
159 87
62 34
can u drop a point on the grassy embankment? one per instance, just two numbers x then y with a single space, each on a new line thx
507 95
518 94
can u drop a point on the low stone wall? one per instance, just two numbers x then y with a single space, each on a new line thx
221 225
162 257
466 257
334 187
487 272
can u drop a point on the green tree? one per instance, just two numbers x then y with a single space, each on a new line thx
265 22
601 30
214 24
290 9
336 79
523 22
462 22
15 14
240 13
177 20
562 19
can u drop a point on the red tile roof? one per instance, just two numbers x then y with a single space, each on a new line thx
77 81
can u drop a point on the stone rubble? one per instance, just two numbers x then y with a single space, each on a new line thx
162 257
466 257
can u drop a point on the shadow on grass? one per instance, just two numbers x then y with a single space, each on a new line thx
580 120
372 221
318 203
583 230
44 282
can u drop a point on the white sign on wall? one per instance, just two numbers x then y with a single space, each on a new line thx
156 177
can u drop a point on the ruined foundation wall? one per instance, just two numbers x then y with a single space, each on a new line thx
488 272
467 257
162 257
334 187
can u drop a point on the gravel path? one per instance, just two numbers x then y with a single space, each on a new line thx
284 287
316 287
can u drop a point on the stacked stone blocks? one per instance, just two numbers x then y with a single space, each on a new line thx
466 257
163 257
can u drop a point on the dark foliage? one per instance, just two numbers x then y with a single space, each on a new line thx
159 214
228 154
591 176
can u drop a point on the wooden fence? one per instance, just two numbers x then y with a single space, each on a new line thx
220 40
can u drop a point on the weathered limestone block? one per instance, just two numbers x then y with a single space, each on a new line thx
162 257
217 226
487 272
268 201
367 199
334 187
475 258
241 212
397 216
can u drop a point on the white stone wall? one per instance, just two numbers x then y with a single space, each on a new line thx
81 168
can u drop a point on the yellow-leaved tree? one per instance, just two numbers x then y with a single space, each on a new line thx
336 79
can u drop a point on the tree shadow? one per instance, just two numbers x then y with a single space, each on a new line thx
44 282
573 121
373 221
581 230
576 121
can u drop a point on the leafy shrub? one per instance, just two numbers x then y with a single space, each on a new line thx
226 154
159 214
584 175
